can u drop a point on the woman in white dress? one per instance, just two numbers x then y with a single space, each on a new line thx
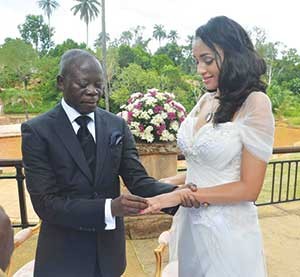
227 140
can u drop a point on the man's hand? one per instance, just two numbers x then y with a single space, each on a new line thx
128 204
189 200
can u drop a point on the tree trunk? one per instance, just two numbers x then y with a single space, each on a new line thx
87 34
106 92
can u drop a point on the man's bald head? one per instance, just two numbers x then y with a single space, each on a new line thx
71 58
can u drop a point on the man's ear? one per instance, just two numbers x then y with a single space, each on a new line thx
60 82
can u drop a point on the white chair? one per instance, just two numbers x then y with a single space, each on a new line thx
171 269
23 235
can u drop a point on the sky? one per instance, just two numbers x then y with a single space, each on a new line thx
280 19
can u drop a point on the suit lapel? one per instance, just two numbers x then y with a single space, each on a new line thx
101 142
65 131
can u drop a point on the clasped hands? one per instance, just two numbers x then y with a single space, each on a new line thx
128 204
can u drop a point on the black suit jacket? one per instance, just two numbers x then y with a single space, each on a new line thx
70 203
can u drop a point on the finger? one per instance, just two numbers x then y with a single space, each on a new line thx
192 187
186 201
135 198
194 201
135 205
131 211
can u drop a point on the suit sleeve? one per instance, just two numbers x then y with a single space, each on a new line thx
134 174
82 214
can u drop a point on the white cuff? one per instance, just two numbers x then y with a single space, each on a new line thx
109 219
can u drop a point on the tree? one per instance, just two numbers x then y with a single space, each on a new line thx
126 38
138 37
36 32
66 45
88 12
159 33
19 57
48 6
99 41
173 51
173 36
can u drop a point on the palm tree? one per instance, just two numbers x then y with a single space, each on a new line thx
88 11
159 33
126 37
173 36
104 35
48 6
100 40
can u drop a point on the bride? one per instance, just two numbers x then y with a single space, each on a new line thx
227 140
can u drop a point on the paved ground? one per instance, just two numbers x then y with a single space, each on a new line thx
280 226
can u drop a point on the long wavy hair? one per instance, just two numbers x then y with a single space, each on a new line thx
241 68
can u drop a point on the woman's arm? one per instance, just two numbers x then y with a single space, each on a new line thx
247 189
176 180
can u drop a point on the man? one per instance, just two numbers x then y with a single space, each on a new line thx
6 241
73 156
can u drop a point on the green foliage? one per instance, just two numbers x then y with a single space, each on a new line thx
136 79
173 51
36 32
46 79
158 61
66 45
21 101
284 102
19 59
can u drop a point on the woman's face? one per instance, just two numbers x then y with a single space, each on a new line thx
207 64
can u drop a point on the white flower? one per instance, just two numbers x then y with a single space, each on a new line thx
164 115
156 120
130 107
150 112
136 112
174 125
144 115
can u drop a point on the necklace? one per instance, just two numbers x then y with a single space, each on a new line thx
211 114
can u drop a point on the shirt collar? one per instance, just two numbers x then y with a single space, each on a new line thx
72 113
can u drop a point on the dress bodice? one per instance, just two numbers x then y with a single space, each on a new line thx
213 153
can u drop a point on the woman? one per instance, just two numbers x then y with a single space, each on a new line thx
227 140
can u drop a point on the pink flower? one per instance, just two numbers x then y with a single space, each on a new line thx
171 116
160 129
141 127
181 119
129 117
157 109
138 105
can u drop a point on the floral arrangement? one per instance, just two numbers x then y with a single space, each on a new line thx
154 116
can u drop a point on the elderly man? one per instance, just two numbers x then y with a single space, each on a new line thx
73 156
6 241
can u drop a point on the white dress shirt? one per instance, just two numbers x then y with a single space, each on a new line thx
72 115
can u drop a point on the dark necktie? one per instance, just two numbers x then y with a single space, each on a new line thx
87 142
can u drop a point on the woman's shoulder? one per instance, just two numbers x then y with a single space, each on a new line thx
257 100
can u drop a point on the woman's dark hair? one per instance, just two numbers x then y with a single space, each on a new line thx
241 69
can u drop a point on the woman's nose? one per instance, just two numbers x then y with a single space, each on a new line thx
201 68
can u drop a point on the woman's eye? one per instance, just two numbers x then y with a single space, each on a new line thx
208 61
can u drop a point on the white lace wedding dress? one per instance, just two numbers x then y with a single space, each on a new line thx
221 240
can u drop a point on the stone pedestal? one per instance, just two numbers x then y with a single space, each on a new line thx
159 159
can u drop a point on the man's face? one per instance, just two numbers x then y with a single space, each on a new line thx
82 85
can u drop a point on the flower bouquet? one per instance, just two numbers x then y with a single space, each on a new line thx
154 116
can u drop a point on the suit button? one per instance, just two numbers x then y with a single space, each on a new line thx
95 194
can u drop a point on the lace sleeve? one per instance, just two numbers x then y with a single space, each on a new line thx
257 125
